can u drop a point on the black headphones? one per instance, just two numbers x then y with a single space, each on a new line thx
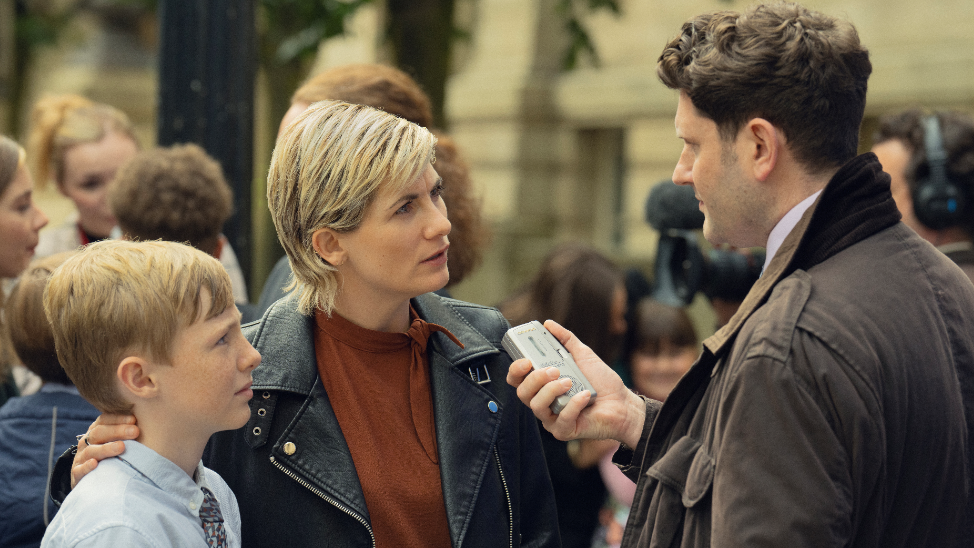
938 202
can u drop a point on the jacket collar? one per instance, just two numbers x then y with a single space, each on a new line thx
855 204
285 339
441 311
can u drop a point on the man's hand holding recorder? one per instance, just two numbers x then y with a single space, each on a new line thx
617 413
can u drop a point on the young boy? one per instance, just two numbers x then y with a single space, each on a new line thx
151 329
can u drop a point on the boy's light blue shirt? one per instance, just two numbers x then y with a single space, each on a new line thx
141 499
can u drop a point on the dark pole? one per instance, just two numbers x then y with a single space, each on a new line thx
207 55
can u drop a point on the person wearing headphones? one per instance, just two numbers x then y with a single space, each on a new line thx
930 160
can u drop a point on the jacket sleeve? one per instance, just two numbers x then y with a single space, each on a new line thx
630 459
60 480
781 473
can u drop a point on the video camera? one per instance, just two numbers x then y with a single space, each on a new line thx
681 269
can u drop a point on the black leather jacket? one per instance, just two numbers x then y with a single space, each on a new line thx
292 472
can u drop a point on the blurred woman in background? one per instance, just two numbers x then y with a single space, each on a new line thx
79 145
20 225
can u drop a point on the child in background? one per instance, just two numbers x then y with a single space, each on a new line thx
81 146
151 329
179 194
35 429
584 291
665 346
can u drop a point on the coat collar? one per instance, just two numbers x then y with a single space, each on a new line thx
285 339
855 204
442 311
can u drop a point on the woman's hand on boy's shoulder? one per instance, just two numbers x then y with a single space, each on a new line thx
103 440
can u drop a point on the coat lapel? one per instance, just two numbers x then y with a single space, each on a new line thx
468 417
291 367
466 433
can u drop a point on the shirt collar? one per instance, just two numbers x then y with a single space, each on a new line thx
166 475
785 226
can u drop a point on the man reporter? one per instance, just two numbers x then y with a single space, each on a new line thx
828 411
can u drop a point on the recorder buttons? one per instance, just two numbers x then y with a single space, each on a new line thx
576 386
492 406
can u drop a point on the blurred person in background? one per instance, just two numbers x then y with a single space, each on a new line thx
35 429
20 225
940 211
80 145
178 194
395 92
583 290
665 346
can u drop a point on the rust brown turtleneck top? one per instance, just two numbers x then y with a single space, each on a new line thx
379 387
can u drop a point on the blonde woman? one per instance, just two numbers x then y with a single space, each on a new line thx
380 414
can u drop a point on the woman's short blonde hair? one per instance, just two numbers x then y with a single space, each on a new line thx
326 169
117 298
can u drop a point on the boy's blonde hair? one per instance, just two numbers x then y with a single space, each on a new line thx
119 298
326 169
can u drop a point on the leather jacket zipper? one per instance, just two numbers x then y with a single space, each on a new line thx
507 493
339 505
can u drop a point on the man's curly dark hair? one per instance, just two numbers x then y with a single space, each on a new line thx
803 71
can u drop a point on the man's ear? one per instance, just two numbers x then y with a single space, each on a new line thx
136 376
328 245
765 146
